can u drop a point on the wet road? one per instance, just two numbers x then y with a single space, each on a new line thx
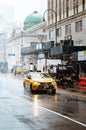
21 110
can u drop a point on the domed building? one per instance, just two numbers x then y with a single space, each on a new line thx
32 20
27 45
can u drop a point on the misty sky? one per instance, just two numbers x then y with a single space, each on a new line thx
22 8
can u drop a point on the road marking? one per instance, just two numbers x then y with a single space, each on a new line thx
75 121
68 118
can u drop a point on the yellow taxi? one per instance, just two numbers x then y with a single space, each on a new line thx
20 70
25 71
17 70
39 81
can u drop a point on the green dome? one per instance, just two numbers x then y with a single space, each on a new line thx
32 20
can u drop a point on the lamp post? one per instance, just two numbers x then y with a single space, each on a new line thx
22 38
55 22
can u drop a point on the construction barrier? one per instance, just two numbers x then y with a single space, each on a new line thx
82 81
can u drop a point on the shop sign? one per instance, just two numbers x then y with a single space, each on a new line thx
85 55
81 56
11 54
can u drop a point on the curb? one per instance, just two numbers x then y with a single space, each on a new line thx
79 96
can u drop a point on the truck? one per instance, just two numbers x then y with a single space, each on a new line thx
45 64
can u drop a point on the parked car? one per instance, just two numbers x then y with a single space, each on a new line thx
17 70
39 81
25 71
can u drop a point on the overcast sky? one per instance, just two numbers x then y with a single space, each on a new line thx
22 8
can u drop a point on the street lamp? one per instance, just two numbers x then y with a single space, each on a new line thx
22 38
55 23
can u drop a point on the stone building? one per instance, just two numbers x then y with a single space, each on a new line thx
21 44
66 26
67 19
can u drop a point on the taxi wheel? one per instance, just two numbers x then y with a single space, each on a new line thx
24 84
31 90
53 91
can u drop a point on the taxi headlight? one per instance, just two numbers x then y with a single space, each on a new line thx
36 83
54 83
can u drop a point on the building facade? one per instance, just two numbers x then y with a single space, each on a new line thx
3 50
22 45
67 19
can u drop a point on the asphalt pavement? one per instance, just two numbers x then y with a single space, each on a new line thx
8 120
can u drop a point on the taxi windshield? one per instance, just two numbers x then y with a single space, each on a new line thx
40 75
18 67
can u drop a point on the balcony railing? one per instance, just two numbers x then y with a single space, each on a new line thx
59 49
47 45
25 50
56 50
62 50
30 50
33 49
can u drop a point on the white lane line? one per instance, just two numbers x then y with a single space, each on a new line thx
75 121
68 118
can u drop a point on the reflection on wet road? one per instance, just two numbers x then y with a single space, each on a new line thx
39 111
64 104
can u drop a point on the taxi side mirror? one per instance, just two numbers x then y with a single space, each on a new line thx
28 76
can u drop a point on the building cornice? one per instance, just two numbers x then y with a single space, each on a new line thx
68 20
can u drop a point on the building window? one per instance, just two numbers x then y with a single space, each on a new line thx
78 26
56 4
63 8
68 29
83 4
67 8
79 43
48 12
51 34
58 32
75 6
60 10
